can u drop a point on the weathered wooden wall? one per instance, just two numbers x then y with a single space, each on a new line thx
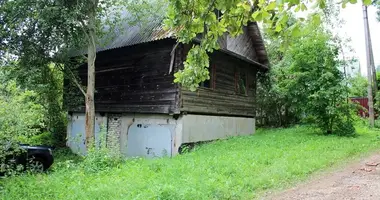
222 98
134 79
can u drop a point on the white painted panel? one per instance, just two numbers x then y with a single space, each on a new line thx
149 140
204 128
153 119
76 133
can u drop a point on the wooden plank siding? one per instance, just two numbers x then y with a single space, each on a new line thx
222 98
134 79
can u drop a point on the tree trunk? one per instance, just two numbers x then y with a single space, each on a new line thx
90 104
369 69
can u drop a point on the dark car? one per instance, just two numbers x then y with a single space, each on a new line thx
33 158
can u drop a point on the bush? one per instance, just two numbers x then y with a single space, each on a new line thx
45 138
377 102
317 85
305 84
344 128
100 159
21 120
103 154
20 117
377 123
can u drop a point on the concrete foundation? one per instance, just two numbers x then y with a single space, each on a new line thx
145 130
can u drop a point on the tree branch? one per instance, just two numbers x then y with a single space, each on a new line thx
74 79
84 28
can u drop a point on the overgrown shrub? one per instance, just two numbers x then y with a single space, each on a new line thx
21 119
45 80
305 84
377 101
45 138
377 123
274 104
320 85
102 154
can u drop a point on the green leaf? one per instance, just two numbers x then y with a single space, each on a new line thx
246 7
296 2
265 14
296 31
303 7
367 2
322 4
278 28
297 8
255 14
283 19
316 19
271 5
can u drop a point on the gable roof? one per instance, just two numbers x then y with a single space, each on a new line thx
150 30
153 30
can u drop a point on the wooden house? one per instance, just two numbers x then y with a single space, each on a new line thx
146 113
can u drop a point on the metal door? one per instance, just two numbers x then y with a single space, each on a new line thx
77 137
149 140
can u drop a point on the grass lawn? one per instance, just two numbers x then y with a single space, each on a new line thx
237 168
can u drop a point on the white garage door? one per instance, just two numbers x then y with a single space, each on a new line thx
149 140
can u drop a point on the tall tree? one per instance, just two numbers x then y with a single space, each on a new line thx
90 30
41 32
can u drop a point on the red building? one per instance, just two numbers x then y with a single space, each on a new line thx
362 101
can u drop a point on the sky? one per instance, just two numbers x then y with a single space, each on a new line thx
354 29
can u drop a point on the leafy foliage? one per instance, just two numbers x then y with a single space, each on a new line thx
21 121
104 154
305 83
318 84
358 86
43 32
377 104
274 103
20 116
377 4
210 19
47 83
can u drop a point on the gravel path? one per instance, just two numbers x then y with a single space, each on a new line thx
360 180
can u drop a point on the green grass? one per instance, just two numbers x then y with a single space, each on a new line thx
237 168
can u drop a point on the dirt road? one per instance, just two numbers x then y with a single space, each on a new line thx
360 180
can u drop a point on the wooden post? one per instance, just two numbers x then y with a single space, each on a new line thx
369 68
374 78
